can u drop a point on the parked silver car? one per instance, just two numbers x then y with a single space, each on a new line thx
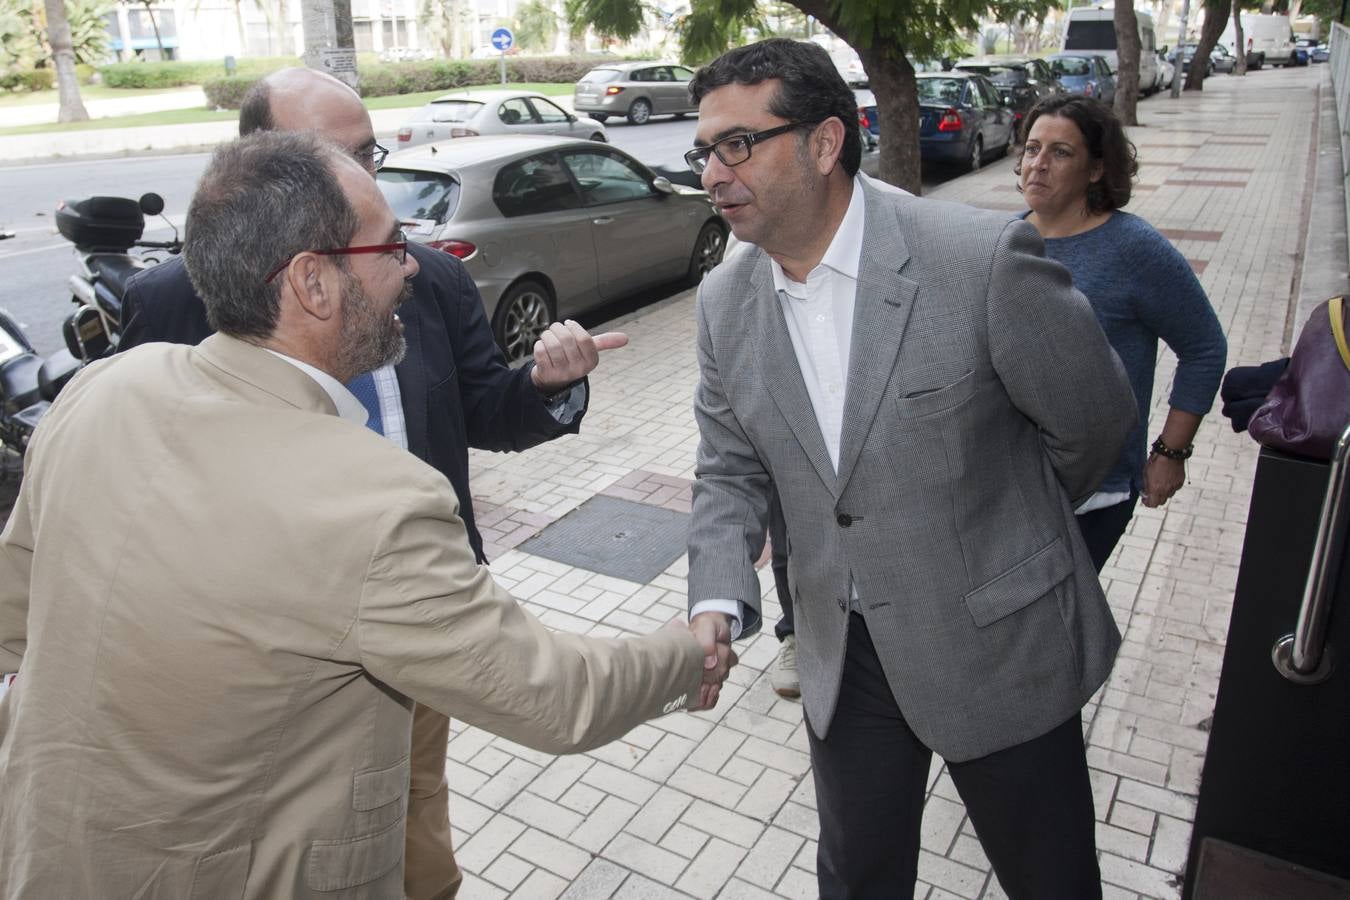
550 227
471 113
636 90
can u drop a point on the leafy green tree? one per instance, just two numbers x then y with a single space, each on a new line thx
887 35
536 26
88 29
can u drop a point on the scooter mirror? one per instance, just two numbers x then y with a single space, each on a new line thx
152 204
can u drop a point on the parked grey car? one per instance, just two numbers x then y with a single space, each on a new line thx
471 113
551 227
635 90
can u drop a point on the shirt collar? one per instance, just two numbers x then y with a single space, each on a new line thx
845 250
348 407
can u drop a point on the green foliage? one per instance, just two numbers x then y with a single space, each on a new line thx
88 29
177 74
21 42
714 26
390 79
621 19
28 80
536 26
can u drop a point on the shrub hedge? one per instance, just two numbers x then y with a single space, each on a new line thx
387 79
177 74
26 80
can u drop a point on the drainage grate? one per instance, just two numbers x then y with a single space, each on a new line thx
620 538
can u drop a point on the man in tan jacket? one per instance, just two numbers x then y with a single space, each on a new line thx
221 707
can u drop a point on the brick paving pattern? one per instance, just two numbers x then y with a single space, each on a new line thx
722 804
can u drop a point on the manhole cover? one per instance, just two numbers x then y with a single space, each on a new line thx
620 538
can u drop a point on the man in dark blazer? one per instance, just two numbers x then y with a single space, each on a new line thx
928 395
452 391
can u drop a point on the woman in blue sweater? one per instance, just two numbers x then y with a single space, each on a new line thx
1075 172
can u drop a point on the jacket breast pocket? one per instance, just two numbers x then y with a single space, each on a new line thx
938 399
1020 586
373 788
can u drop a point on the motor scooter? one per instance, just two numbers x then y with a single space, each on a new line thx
104 230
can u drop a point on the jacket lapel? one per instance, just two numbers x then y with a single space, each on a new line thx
772 346
882 305
412 379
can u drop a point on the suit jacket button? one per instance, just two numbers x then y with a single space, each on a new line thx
842 604
844 520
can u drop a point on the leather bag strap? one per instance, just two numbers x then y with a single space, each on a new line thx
1335 307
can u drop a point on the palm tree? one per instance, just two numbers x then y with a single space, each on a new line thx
63 55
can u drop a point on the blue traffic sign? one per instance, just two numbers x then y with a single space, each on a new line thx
503 39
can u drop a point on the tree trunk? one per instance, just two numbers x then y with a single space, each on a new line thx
892 81
284 27
239 24
159 41
1239 41
1127 62
1209 36
63 55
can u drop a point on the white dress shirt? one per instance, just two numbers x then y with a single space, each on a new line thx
819 316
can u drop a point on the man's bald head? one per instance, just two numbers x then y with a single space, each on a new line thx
300 99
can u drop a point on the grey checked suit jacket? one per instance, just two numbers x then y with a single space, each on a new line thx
982 398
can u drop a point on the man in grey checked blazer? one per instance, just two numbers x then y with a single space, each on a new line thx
930 396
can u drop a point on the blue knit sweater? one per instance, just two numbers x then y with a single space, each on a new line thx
1142 289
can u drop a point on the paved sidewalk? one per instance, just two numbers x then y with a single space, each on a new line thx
721 804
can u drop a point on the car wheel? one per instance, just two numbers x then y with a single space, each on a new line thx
523 314
599 117
976 154
599 137
708 250
639 112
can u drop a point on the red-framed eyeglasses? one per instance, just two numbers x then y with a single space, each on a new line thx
398 248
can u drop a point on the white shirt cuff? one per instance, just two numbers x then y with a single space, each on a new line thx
728 607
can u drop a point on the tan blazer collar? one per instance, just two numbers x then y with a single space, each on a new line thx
266 372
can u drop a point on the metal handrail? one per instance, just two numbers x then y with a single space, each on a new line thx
1303 656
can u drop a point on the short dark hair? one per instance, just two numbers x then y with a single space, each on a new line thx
810 87
1106 141
263 199
255 112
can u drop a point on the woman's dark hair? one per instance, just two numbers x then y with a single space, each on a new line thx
1106 142
810 87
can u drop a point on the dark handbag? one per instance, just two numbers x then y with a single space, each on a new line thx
1309 406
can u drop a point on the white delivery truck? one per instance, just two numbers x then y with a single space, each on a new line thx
1269 38
1092 29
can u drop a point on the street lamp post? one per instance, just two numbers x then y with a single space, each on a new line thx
1181 50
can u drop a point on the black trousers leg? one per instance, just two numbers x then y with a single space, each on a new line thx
1102 528
1031 806
870 774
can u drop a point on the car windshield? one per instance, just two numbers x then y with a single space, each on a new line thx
600 76
451 110
939 90
419 197
1071 65
1000 75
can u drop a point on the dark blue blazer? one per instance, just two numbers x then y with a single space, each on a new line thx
457 390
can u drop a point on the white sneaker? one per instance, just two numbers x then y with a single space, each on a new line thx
784 678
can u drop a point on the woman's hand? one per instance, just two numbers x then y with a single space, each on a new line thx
1163 477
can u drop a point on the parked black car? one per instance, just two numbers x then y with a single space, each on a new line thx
1023 81
1187 54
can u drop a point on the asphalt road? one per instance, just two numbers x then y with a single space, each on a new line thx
37 262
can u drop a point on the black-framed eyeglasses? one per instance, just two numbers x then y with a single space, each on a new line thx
735 149
372 158
398 248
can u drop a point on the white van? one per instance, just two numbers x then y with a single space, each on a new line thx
1092 29
1269 37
